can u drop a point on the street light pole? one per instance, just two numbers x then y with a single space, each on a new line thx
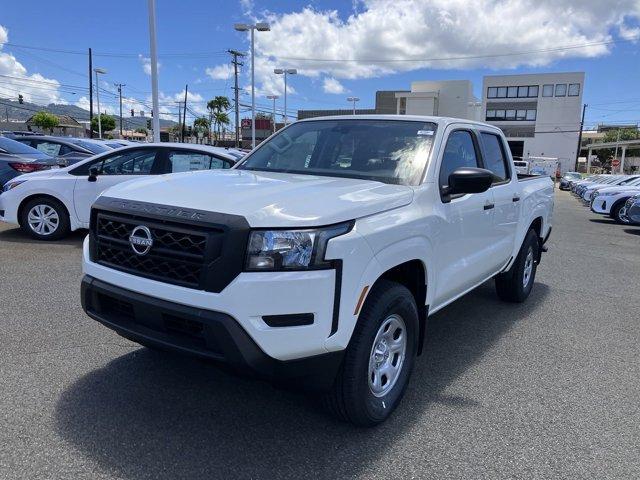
354 100
99 71
154 70
274 98
261 27
285 72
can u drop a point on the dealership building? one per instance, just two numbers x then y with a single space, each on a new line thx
538 113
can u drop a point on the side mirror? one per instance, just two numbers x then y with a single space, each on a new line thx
465 180
93 174
62 162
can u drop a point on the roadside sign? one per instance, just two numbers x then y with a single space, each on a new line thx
615 162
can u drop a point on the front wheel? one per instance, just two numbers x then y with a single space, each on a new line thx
45 219
515 284
619 213
379 359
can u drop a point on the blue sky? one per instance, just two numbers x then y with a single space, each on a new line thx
341 48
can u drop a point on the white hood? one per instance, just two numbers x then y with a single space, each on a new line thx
620 188
268 199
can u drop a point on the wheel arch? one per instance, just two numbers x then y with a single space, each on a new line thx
33 196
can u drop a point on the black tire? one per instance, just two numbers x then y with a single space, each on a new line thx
615 212
62 223
351 398
510 285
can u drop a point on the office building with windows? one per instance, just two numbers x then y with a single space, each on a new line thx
539 113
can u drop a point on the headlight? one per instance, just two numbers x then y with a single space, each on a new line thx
606 194
302 249
9 185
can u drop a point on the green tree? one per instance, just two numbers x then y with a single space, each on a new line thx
220 119
107 122
605 155
217 111
201 125
45 120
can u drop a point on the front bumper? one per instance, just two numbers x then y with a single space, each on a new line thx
600 205
197 332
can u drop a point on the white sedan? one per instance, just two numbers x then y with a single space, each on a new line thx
611 200
51 203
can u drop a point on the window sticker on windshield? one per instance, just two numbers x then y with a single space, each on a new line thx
425 132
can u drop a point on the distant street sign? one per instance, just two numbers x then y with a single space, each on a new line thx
615 162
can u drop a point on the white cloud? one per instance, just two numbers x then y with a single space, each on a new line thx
247 7
331 85
220 72
146 64
34 88
383 37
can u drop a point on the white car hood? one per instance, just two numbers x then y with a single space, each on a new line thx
267 199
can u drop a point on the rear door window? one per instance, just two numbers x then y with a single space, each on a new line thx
187 161
494 157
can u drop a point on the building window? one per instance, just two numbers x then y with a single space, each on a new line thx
574 89
533 91
502 92
512 92
492 92
523 92
561 90
547 90
510 115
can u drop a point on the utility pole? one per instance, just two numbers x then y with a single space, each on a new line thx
90 93
236 64
153 52
120 85
584 109
615 155
184 113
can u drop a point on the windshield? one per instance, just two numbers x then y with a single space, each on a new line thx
389 151
92 147
12 146
571 175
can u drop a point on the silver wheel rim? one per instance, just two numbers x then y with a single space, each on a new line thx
387 355
43 219
528 268
622 214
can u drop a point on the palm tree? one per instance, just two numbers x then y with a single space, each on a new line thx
201 124
220 119
219 105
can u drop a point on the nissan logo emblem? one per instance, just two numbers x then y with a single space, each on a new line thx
141 240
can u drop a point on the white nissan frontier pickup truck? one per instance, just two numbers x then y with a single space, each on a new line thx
318 258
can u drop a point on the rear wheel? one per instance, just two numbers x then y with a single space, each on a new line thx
515 284
45 219
379 359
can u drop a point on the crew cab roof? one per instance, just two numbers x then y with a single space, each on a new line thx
440 121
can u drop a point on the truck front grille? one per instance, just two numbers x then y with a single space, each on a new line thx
178 255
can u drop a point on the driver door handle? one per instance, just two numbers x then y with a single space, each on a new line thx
488 206
515 198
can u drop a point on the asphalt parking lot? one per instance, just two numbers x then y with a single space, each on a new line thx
546 389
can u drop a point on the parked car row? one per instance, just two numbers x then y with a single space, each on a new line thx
617 196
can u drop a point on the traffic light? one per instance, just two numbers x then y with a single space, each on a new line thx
132 113
20 99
